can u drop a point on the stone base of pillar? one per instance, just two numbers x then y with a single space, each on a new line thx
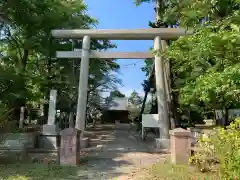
84 142
69 150
163 144
49 137
180 146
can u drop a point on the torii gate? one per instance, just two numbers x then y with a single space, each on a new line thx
156 34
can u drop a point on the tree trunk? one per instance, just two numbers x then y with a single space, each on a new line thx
71 120
226 117
29 113
174 99
144 103
22 100
49 77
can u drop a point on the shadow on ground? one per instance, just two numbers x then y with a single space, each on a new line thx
91 168
122 152
108 163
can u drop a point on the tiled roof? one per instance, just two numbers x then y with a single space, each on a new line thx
118 103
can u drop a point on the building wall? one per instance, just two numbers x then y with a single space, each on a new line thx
112 116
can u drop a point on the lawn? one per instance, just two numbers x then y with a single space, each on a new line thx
40 172
36 171
166 171
11 169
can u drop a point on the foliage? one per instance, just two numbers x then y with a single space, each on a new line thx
133 113
148 107
147 67
164 170
113 94
138 2
29 171
116 93
135 99
28 69
204 66
191 13
221 146
4 114
146 85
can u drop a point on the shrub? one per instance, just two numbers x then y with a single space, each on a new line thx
5 124
4 114
222 146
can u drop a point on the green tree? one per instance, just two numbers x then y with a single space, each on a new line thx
135 99
116 93
198 61
161 10
209 53
28 65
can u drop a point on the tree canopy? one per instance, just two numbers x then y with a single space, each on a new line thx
205 64
135 99
116 93
28 67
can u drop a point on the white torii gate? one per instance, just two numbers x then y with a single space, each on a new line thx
156 34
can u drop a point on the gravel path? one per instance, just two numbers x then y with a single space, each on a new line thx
120 157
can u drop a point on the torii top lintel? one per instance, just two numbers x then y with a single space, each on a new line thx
122 34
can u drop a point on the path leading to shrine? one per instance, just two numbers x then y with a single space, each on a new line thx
119 154
123 154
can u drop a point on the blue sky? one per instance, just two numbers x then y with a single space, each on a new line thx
123 14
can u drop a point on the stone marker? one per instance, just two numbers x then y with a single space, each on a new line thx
52 107
49 133
21 121
180 146
69 151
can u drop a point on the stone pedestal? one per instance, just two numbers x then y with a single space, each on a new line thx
48 138
180 146
31 139
84 142
69 151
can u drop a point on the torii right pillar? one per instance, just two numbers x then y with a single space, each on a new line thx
163 141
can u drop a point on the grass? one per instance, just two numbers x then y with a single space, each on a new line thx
39 172
159 171
10 169
166 171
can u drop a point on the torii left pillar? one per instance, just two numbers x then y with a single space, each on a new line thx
82 90
163 121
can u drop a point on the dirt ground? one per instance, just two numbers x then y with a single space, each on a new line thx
122 153
121 156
